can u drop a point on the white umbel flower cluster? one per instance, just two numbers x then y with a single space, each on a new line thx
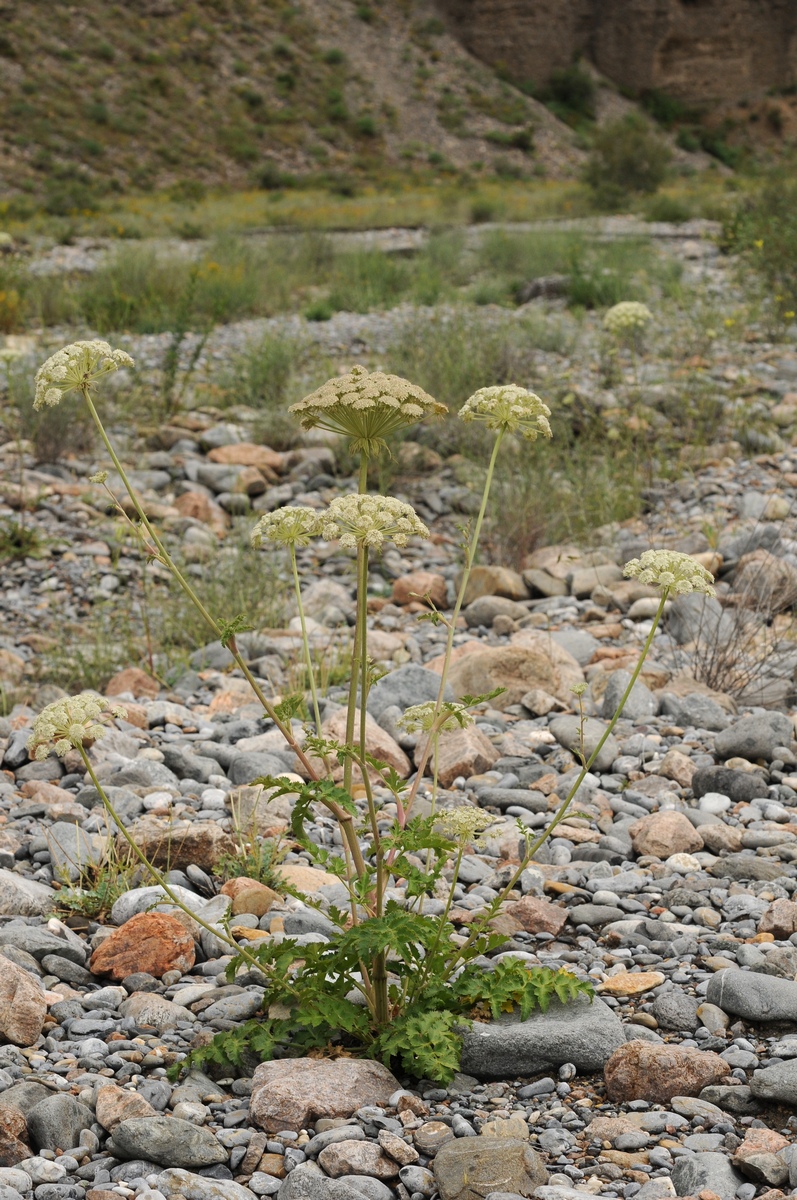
509 408
420 718
628 317
77 366
671 571
366 406
293 525
370 521
465 824
70 723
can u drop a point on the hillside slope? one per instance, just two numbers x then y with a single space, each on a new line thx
153 93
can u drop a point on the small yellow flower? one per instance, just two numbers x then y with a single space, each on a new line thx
759 243
789 315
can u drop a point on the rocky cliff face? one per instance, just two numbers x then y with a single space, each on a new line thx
703 51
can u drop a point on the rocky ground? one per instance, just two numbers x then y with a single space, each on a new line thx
672 890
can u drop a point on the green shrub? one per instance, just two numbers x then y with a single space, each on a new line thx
627 159
763 226
570 92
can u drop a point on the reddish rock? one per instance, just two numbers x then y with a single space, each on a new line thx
378 743
14 1146
177 844
249 896
357 1158
665 833
418 584
780 919
115 1104
538 916
151 942
461 752
495 581
292 1093
247 454
133 680
22 1005
760 1141
645 1071
201 508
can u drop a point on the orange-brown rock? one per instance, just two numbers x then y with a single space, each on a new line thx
22 1005
249 896
665 833
151 942
418 584
780 919
678 767
305 879
201 508
644 1071
538 916
495 581
247 454
292 1093
378 743
177 844
135 681
759 1141
115 1104
14 1145
461 752
531 661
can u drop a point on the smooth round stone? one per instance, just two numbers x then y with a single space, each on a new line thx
714 802
683 863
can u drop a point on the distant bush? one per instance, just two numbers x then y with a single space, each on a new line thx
570 92
627 159
763 226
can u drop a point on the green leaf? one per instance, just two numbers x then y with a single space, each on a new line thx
428 1044
229 629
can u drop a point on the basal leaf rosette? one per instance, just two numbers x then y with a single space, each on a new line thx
627 318
293 525
76 367
509 409
358 520
366 406
671 571
69 724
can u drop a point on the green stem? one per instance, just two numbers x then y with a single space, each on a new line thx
308 662
561 812
362 481
360 635
165 558
470 557
155 873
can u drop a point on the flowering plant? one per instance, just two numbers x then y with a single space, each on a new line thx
629 317
671 570
76 368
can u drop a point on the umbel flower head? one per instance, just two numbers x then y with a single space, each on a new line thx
464 824
671 571
627 317
366 406
77 366
509 408
369 521
420 718
68 724
293 525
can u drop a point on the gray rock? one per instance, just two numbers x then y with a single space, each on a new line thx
418 1179
754 737
706 1172
72 850
466 1168
16 752
345 1133
306 921
740 786
696 618
234 1008
594 915
578 642
700 711
777 1083
737 1100
567 731
746 866
57 1122
484 611
403 687
639 705
50 770
372 1189
199 1187
38 941
168 1141
752 996
24 897
247 767
306 1182
187 765
676 1010
579 1032
144 773
25 1096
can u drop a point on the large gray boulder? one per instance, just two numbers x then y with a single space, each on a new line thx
578 1032
752 996
754 737
706 1172
403 687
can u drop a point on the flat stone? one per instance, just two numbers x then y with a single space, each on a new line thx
532 661
168 1141
778 1083
176 1181
115 1104
406 686
147 1008
21 897
490 580
754 737
752 996
740 786
706 1172
179 844
292 1093
631 983
640 705
578 1032
471 1168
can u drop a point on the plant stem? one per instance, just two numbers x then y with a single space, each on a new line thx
342 817
305 640
155 873
571 795
470 557
360 635
362 481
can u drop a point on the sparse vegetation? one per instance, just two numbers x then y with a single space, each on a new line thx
627 159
